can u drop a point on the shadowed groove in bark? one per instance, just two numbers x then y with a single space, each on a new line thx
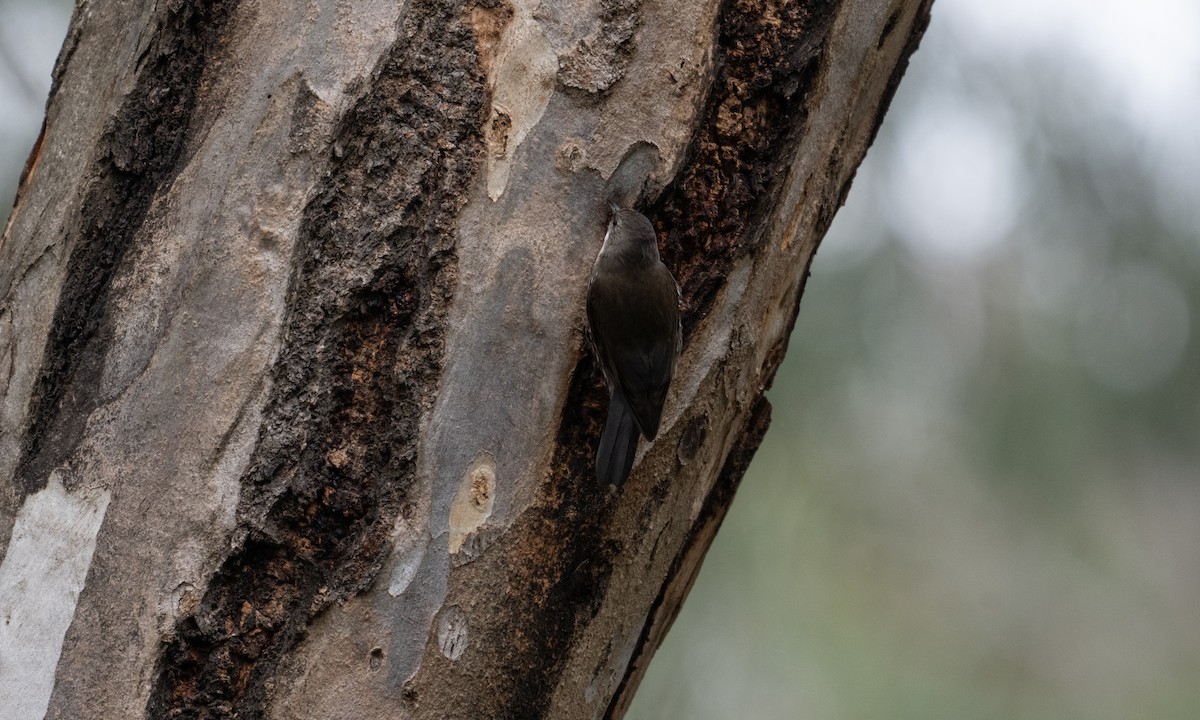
336 454
142 150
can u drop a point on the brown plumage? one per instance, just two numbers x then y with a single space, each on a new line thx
633 315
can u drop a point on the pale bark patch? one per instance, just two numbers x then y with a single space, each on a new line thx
522 81
41 577
473 503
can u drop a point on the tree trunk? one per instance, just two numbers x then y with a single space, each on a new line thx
297 417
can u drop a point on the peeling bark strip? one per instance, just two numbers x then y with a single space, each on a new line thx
336 456
141 152
711 215
31 163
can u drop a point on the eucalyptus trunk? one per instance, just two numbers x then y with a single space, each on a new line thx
297 416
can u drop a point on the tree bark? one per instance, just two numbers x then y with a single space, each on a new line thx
296 415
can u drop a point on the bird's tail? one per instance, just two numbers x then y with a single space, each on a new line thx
618 444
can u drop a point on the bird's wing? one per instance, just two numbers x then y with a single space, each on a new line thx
634 324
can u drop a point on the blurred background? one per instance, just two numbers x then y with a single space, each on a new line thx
980 495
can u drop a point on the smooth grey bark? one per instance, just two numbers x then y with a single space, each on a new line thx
296 416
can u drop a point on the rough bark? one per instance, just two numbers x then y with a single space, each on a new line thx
296 420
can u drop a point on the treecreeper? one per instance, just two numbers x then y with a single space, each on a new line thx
633 318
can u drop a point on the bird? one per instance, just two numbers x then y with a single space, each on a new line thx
633 322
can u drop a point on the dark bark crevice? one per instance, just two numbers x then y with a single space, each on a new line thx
140 153
336 456
768 54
